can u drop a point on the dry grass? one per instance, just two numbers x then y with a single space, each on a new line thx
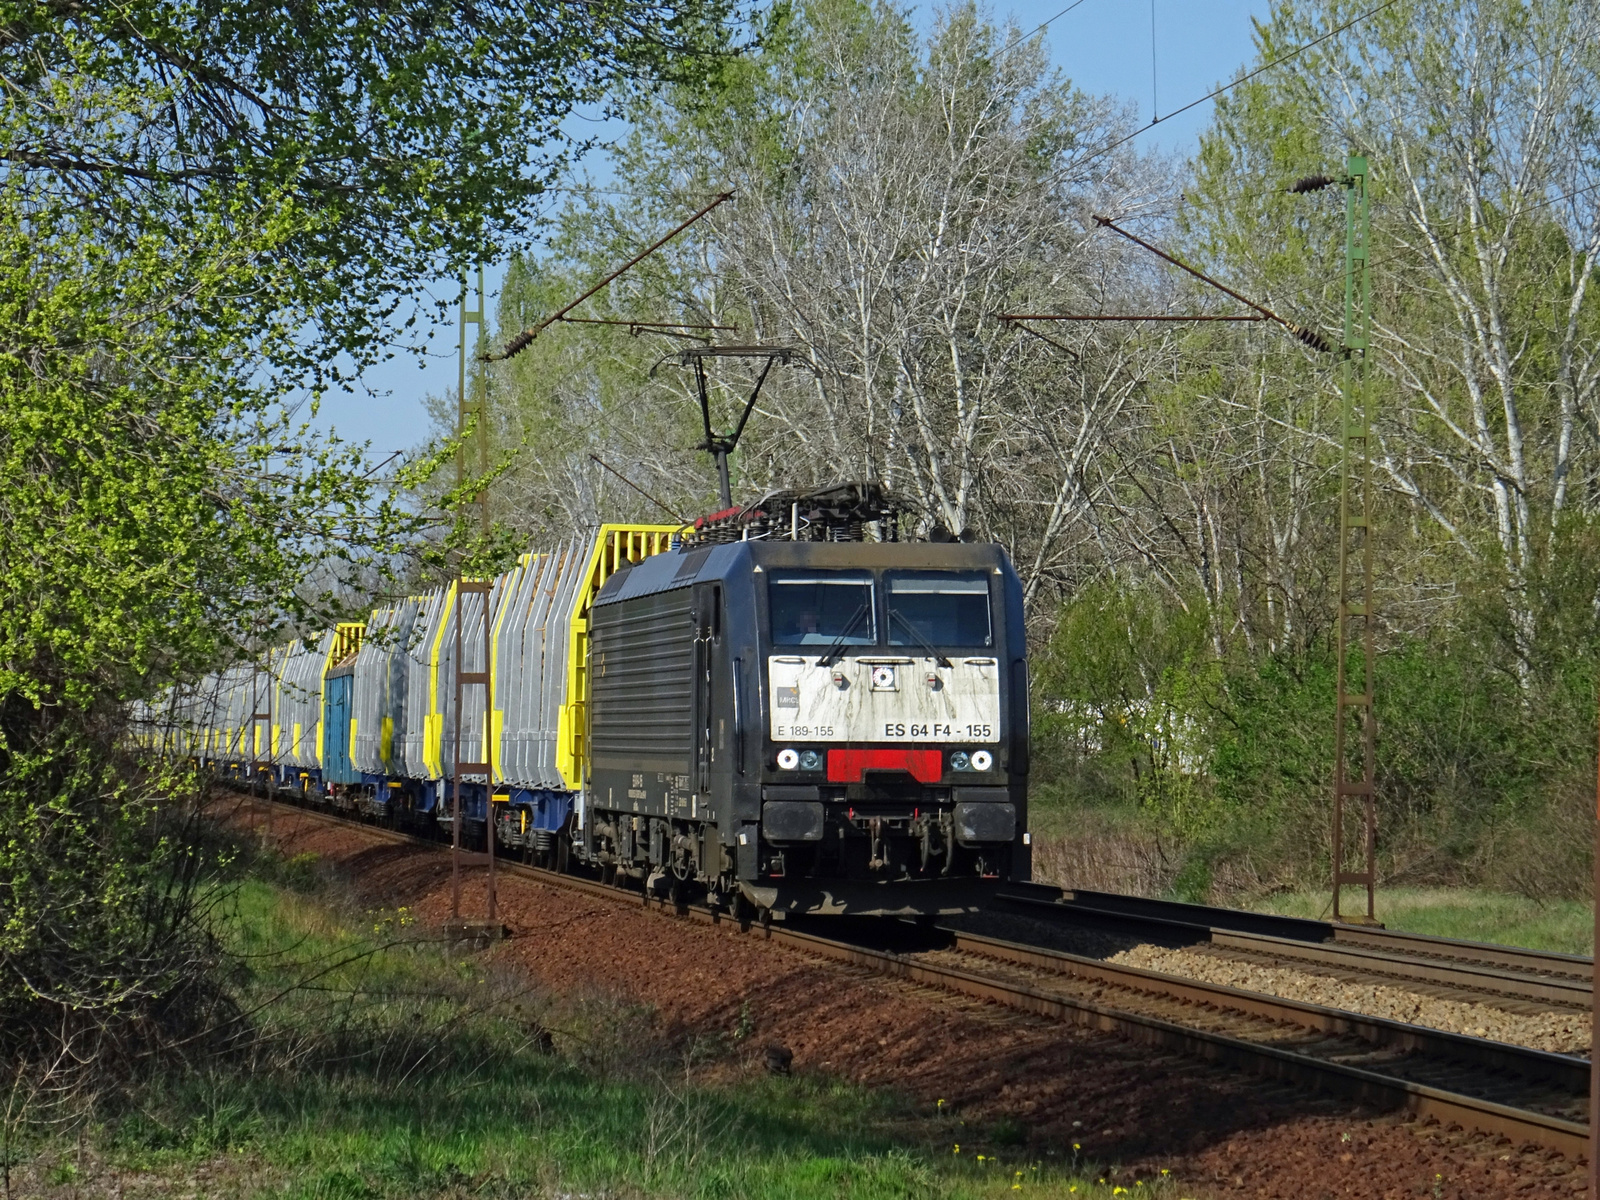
1105 859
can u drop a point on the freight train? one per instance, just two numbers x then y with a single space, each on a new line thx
766 708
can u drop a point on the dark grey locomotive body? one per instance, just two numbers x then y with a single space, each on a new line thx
811 726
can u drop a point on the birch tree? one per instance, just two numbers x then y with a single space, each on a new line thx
893 200
1478 122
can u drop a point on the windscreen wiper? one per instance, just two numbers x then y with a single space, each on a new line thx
894 615
827 659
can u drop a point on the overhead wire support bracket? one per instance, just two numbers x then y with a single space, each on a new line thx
1021 323
525 339
1019 317
1020 320
677 329
1309 336
659 504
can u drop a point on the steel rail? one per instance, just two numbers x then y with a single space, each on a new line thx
1468 976
1565 1071
1472 967
1311 929
1343 1070
1347 1079
1572 966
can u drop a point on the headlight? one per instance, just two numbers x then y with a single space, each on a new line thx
788 760
959 761
982 760
811 760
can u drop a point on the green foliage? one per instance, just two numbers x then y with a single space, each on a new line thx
207 213
414 138
1124 679
156 505
157 499
1477 121
1232 756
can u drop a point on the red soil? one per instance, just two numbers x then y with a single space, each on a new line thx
1218 1131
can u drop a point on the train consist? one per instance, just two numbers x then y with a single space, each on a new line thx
765 708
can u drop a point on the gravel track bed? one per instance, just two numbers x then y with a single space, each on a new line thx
1562 1031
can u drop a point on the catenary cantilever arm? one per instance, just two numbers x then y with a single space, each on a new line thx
525 339
1309 336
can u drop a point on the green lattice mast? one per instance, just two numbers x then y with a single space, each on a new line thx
1354 718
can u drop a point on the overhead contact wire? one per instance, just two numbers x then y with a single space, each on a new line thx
1017 41
1228 87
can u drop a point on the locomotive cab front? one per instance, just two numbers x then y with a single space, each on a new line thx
894 726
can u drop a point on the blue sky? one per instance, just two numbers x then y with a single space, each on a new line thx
1102 45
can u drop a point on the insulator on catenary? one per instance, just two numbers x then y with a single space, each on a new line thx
1311 338
1311 183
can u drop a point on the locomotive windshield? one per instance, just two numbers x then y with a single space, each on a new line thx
939 608
813 608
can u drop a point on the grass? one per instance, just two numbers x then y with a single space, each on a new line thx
1114 848
386 1067
1566 926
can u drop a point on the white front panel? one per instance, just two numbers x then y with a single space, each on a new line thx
883 698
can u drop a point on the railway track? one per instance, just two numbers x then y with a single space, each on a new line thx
1528 1096
1507 977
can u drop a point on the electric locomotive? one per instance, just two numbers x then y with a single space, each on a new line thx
816 726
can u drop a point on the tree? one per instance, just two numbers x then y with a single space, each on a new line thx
1478 120
158 518
412 139
895 195
203 209
892 201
